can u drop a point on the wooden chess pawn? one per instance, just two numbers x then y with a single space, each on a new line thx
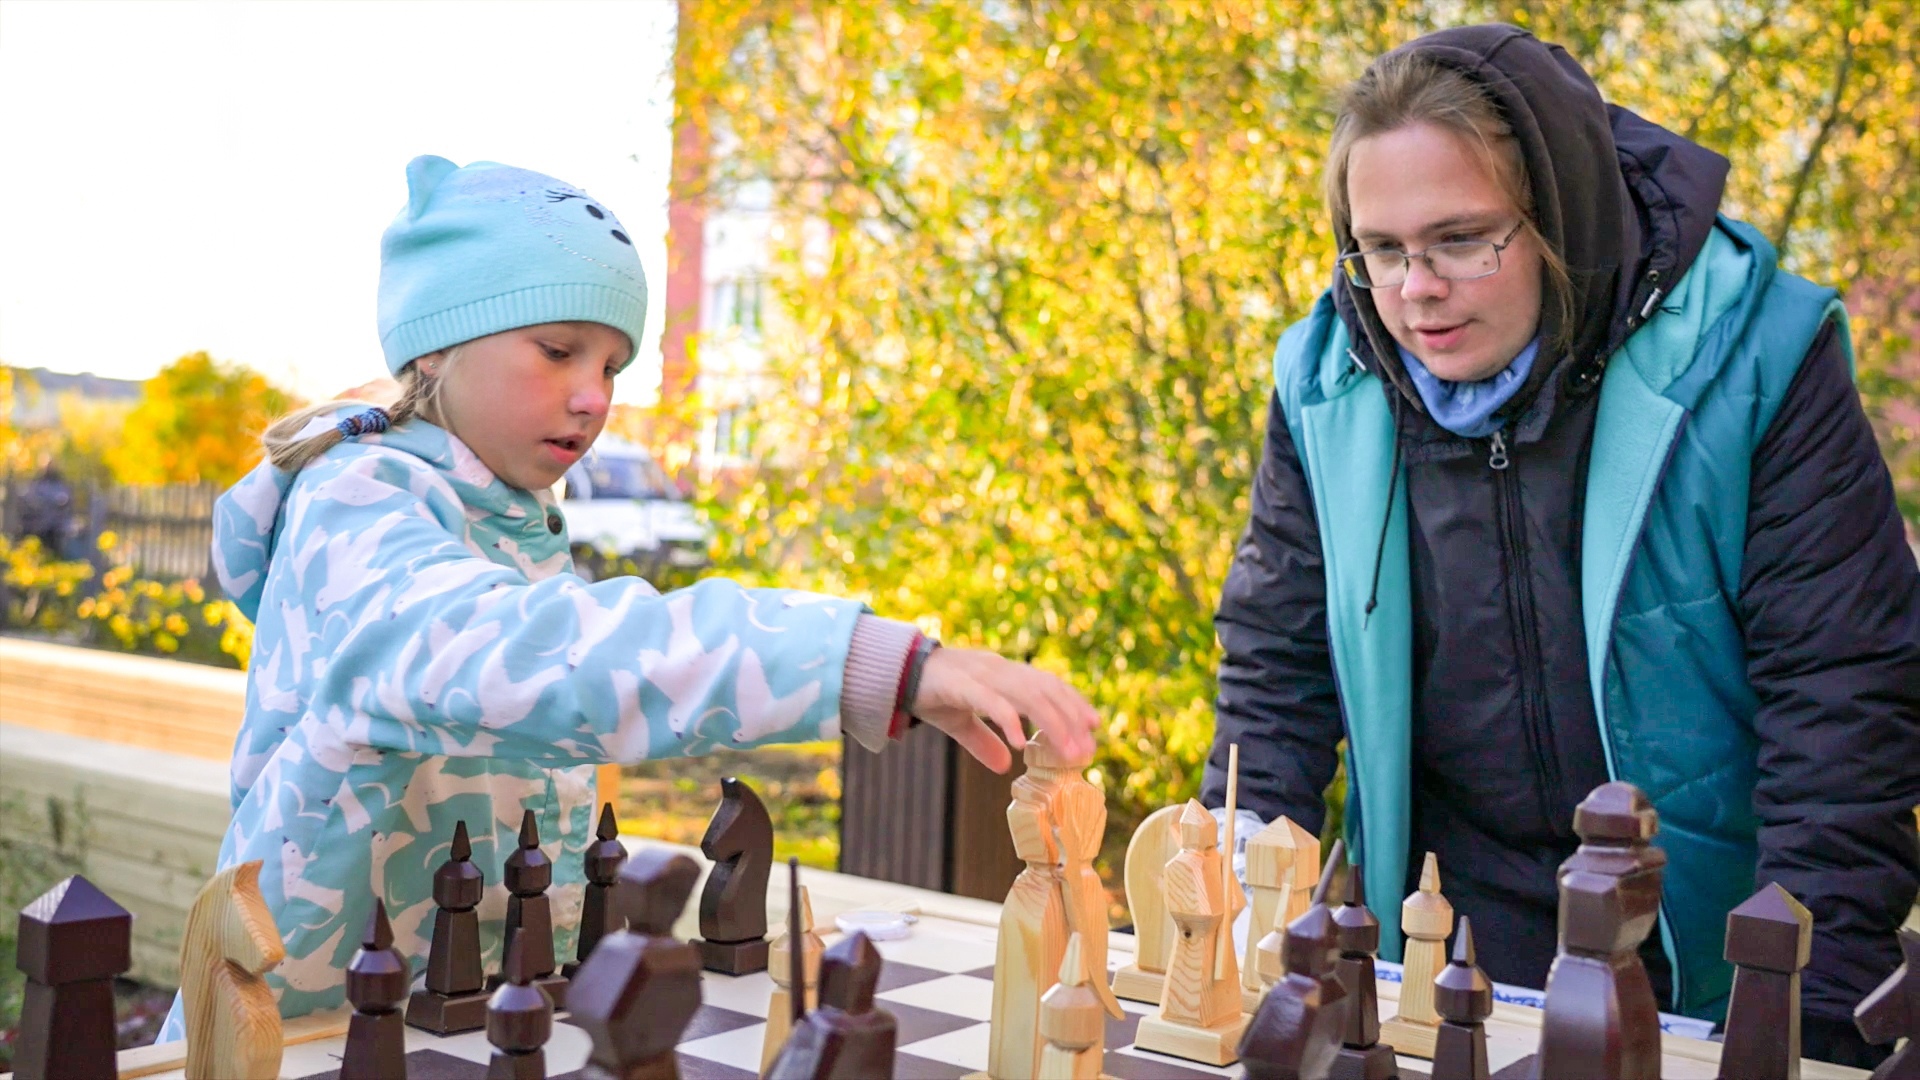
599 912
1892 1012
733 905
529 912
519 1020
73 940
780 1006
1154 842
1295 1034
377 980
1363 1056
846 1038
1426 918
636 994
455 997
1463 995
1768 941
1071 1021
1199 1017
1283 862
1600 1018
230 942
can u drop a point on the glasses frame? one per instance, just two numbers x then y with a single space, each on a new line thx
1407 257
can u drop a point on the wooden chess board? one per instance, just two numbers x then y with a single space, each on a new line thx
938 983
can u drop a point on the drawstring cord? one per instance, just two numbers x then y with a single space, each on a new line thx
1393 484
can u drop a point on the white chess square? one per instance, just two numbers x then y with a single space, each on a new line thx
738 993
1148 1055
739 1048
955 995
952 949
966 1047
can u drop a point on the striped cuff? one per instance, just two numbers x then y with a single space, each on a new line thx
871 685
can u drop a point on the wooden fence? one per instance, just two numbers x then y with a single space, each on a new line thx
162 530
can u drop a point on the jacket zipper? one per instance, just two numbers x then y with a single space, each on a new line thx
1525 635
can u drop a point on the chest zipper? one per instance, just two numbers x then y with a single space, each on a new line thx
1533 720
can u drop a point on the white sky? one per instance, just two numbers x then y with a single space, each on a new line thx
178 175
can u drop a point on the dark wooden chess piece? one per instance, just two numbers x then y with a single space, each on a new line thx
72 941
1892 1012
377 980
1601 1020
638 991
1464 996
529 913
1768 941
1296 1032
455 998
846 1038
733 906
519 1020
599 913
1363 1056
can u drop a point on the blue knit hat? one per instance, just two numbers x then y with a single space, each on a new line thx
488 248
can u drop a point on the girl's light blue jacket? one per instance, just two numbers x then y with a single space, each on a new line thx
423 655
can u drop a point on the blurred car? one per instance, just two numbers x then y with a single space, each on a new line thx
619 504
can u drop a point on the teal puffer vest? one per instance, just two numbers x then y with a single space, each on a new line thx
1682 406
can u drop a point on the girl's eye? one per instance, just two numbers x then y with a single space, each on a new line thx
553 353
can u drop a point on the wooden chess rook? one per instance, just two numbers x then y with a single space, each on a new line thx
1283 862
72 941
230 942
1426 919
455 997
733 905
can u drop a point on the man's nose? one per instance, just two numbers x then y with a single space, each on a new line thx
1422 283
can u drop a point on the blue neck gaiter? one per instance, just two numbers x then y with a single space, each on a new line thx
1467 408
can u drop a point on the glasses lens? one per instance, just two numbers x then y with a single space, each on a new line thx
1464 259
1383 268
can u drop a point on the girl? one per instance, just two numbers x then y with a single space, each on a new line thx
422 654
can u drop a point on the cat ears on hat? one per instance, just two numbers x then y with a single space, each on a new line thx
424 175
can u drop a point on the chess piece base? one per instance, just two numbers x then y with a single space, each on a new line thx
1410 1037
733 957
1136 985
447 1014
1374 1063
1217 1046
528 1066
555 984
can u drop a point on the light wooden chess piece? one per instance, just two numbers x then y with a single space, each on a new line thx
230 942
1070 1020
1153 843
1080 820
1199 1017
779 965
1427 919
1283 863
1033 921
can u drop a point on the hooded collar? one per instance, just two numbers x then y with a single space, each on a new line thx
1627 203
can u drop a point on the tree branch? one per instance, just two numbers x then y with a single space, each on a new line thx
1827 124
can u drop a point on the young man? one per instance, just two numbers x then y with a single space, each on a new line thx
1566 481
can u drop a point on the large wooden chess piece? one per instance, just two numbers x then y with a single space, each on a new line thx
1199 1017
1079 823
377 980
846 1038
1033 921
1601 1020
1426 918
1154 842
1363 1056
733 905
73 940
599 910
1769 938
1071 1021
638 991
1283 862
1295 1034
455 998
230 942
1892 1012
519 1020
781 1006
529 913
1464 997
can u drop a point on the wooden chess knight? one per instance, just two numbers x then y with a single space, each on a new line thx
733 905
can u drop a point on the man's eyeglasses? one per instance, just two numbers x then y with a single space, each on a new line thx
1455 260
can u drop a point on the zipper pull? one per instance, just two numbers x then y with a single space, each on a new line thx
1497 460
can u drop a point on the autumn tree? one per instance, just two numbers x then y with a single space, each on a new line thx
197 421
1039 253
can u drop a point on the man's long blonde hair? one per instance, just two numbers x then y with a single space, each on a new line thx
419 396
1405 88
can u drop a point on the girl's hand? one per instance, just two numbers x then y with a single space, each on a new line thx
959 688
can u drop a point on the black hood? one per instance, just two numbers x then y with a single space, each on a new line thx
1627 204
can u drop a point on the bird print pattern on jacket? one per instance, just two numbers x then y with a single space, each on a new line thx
423 655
